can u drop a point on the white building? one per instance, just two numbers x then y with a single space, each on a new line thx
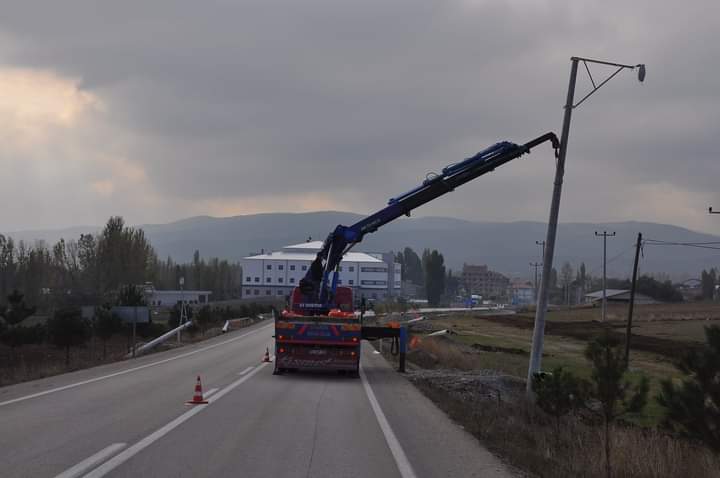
276 273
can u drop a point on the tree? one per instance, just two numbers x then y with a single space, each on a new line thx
12 332
434 268
412 267
708 279
107 324
616 396
693 406
68 329
558 393
452 285
204 318
566 277
131 295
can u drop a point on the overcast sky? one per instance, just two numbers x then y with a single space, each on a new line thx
157 111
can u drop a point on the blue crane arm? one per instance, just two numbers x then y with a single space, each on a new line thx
315 285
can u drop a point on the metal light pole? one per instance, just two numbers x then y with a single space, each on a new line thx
536 265
541 243
182 307
604 235
539 330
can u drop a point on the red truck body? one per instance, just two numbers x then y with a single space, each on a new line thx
308 337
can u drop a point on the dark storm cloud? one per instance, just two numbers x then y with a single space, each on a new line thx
231 100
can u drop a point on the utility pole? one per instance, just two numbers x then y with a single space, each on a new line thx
628 334
182 307
536 265
541 309
604 235
541 243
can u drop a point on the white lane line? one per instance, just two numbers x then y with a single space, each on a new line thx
121 458
92 461
245 371
401 460
210 392
134 369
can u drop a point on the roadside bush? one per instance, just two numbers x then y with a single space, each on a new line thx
559 393
615 395
693 406
68 329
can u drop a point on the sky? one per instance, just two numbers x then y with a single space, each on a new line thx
157 111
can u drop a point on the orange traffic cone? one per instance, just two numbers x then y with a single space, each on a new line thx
266 358
198 397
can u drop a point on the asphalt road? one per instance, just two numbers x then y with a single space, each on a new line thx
130 419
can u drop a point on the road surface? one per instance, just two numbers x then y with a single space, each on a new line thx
130 419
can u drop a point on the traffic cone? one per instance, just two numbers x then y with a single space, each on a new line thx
266 358
198 397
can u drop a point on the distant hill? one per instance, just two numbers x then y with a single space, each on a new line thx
506 247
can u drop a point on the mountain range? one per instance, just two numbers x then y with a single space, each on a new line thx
508 247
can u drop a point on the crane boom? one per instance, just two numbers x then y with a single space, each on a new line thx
315 285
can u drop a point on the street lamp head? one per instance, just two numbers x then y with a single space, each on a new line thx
641 72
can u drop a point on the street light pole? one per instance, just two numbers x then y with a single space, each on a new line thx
541 308
604 235
536 265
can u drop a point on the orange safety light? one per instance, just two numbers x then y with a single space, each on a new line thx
282 350
352 354
280 337
354 339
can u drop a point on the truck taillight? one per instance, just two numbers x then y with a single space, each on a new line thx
281 350
280 337
354 339
352 354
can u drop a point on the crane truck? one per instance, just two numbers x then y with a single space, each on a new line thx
319 328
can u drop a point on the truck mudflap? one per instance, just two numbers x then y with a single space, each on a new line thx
309 357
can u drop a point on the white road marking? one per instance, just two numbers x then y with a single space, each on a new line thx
121 458
134 369
92 461
401 460
245 371
210 392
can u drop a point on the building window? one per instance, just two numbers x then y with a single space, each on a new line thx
256 292
248 279
292 268
373 282
351 268
269 267
340 269
247 291
304 268
268 292
268 279
373 269
280 280
279 292
351 282
257 279
374 295
280 267
292 280
339 281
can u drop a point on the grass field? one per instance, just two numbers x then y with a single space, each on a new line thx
660 333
